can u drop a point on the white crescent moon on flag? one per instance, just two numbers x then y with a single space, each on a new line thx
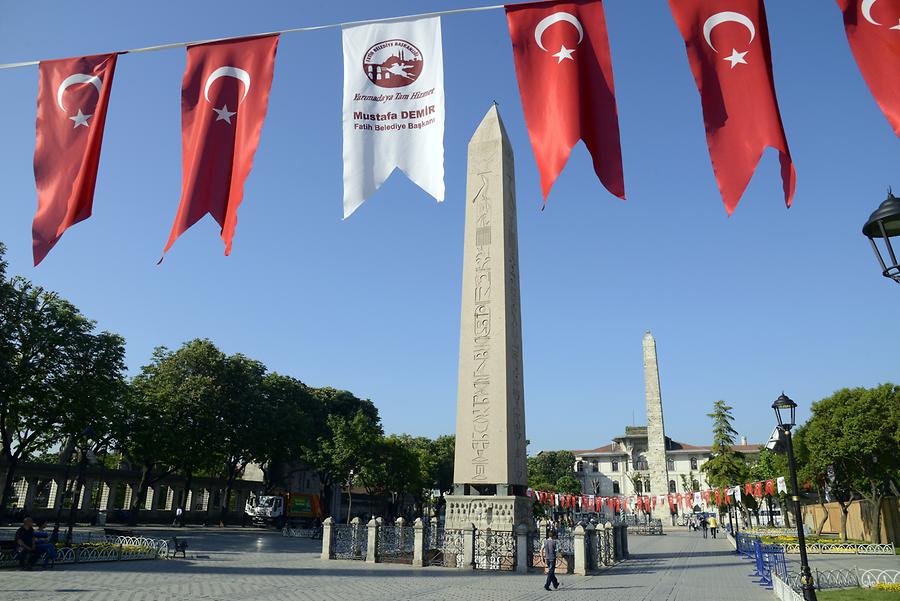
71 80
556 18
234 72
726 17
866 9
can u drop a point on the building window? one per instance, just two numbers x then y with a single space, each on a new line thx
672 488
594 466
693 463
670 465
615 466
578 466
615 488
647 486
696 486
638 487
640 463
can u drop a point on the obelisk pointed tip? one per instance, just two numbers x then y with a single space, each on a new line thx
491 126
648 335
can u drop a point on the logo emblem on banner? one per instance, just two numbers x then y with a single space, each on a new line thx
393 63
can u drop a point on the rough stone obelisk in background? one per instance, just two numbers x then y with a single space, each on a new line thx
490 471
656 430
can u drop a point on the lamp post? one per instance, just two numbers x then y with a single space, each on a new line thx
885 223
785 411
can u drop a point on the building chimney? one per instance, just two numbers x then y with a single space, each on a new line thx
744 440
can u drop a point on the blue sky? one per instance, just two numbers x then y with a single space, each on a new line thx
742 307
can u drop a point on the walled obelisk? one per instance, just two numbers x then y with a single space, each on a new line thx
656 430
490 470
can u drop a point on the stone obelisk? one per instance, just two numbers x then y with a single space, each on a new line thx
656 430
490 471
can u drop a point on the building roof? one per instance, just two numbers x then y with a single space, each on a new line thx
673 445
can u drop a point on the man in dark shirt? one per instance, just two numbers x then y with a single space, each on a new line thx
548 554
25 541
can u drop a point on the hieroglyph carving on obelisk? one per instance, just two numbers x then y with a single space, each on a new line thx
490 419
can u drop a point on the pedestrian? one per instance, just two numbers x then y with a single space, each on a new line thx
42 544
548 555
703 525
26 551
178 513
713 525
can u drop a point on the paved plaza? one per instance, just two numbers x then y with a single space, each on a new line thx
259 565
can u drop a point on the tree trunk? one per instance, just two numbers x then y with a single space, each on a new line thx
184 500
845 509
876 507
785 506
8 481
229 486
137 501
349 504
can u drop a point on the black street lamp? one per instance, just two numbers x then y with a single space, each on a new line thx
785 411
885 223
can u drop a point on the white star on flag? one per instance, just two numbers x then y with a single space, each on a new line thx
224 114
736 57
80 119
564 53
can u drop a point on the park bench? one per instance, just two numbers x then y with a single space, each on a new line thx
178 546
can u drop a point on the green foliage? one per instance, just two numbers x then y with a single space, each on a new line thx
549 466
727 466
58 378
568 485
857 432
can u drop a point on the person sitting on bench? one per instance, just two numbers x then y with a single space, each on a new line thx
27 553
42 544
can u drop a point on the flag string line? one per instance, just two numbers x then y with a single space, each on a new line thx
438 13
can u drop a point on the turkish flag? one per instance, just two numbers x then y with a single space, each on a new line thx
748 489
728 48
770 487
224 96
718 497
565 78
874 35
757 489
73 94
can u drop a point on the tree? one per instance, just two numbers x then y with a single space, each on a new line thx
49 369
726 466
568 485
292 414
187 386
857 433
348 450
548 467
243 419
770 466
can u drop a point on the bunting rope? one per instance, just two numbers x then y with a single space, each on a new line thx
438 13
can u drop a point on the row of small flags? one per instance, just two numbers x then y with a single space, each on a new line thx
618 504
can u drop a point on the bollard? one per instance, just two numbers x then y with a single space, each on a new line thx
356 537
418 543
328 538
372 547
580 559
523 552
625 541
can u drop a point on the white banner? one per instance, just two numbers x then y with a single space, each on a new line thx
782 485
737 494
393 107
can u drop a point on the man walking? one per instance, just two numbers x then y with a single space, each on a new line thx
713 525
548 555
703 524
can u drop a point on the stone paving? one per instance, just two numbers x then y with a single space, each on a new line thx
258 565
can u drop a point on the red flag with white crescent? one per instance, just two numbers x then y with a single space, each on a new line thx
224 98
73 95
728 49
757 489
873 31
770 487
565 76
